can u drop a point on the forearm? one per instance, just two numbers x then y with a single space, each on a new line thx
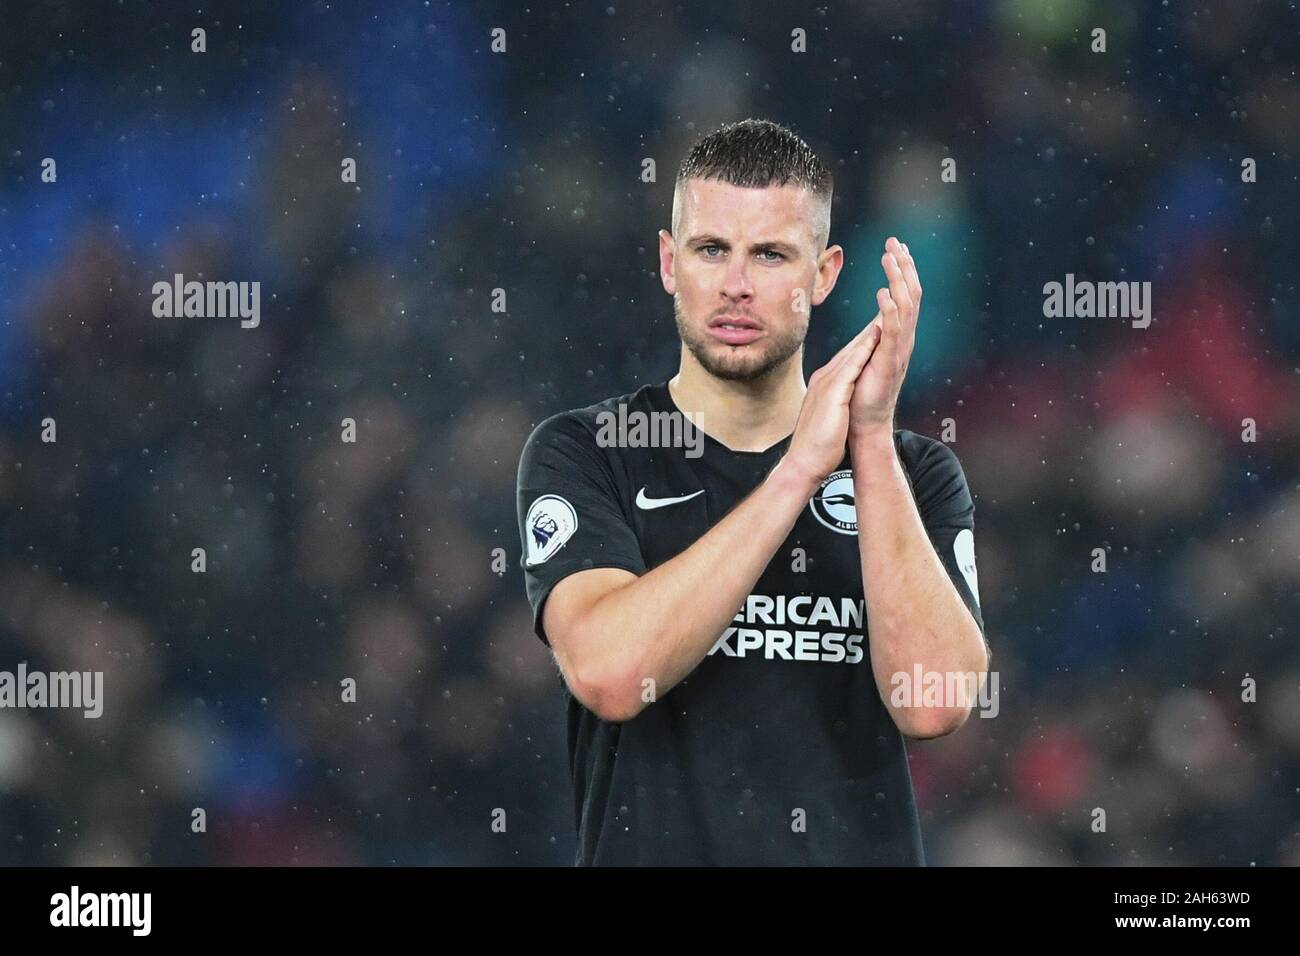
915 614
669 618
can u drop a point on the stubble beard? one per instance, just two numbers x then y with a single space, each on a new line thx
740 363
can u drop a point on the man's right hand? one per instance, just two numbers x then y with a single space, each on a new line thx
821 433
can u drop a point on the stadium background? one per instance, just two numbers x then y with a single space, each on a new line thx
521 171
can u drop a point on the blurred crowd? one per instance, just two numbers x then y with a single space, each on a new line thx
1163 690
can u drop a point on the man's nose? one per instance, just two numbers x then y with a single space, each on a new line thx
737 284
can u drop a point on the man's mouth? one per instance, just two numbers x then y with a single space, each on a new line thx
735 322
735 329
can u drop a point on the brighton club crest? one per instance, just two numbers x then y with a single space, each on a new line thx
833 504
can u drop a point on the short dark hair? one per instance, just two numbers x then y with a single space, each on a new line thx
756 153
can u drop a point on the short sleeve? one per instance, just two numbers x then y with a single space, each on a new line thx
570 516
947 510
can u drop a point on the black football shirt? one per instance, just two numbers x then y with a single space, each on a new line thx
777 749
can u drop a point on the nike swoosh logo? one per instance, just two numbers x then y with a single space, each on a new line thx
649 504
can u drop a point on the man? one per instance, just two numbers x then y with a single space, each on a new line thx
733 625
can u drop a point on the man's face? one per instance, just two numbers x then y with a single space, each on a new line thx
744 271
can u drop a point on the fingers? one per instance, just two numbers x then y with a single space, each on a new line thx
898 290
858 339
892 327
891 321
900 269
838 359
843 369
859 358
855 360
909 272
900 303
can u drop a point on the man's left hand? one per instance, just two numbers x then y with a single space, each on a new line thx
875 396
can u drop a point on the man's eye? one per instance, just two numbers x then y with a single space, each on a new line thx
705 250
771 252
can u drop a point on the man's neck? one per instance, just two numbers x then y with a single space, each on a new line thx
742 415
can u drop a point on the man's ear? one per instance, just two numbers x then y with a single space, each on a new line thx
829 264
667 261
